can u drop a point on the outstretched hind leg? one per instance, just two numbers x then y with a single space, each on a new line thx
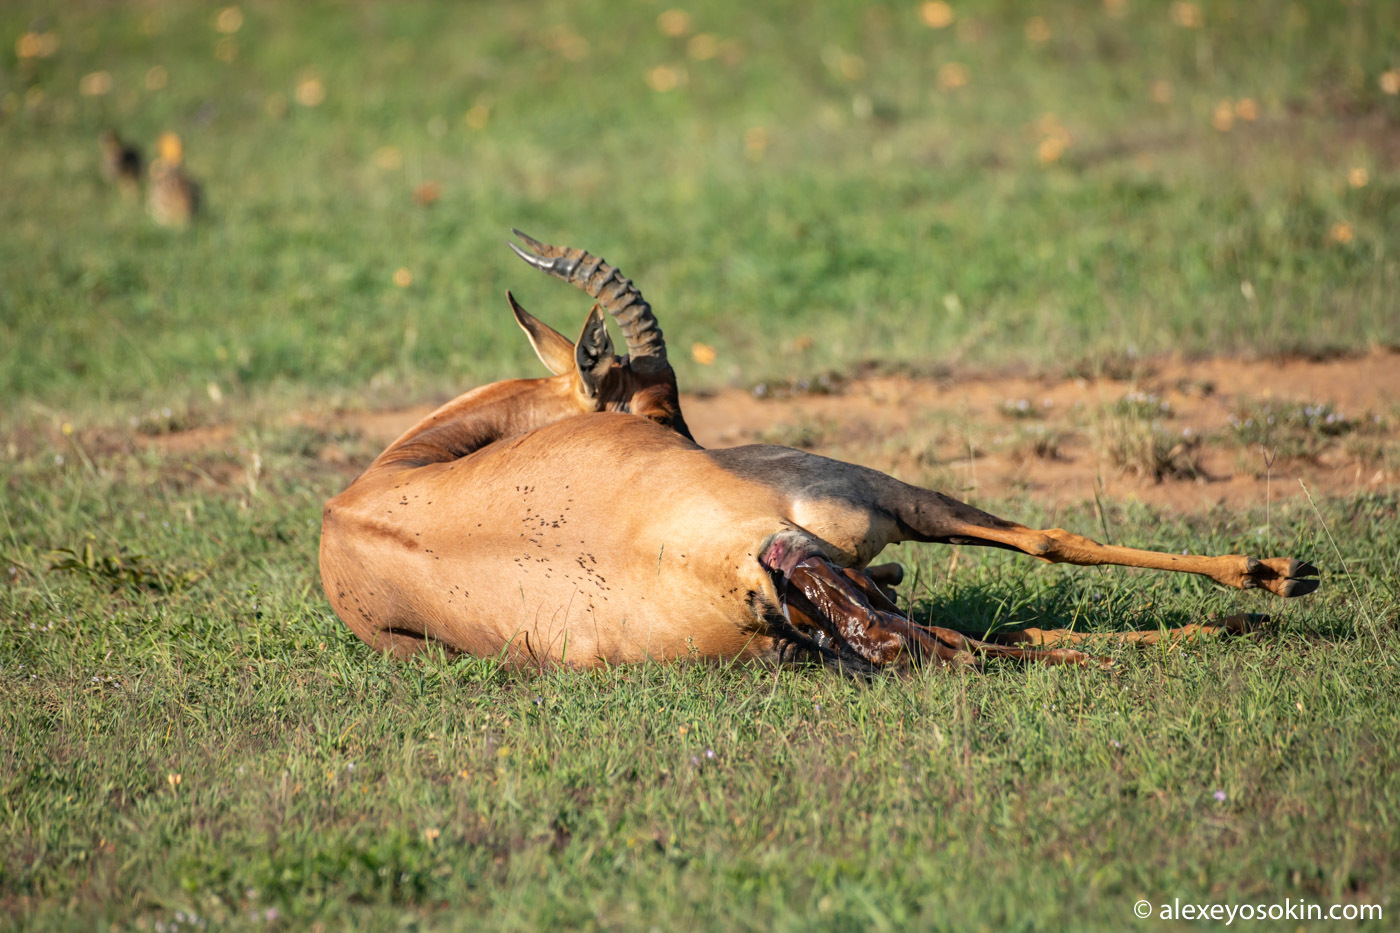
877 582
931 516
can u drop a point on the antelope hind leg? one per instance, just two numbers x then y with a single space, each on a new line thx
940 518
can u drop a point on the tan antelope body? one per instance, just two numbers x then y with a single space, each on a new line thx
572 520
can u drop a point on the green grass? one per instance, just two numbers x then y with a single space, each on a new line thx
886 218
325 783
186 729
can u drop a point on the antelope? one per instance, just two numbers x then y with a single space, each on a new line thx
572 519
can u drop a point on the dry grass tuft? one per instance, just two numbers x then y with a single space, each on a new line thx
1143 448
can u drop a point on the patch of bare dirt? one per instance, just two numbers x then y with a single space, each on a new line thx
998 437
1189 435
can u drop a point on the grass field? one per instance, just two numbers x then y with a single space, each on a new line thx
819 176
189 738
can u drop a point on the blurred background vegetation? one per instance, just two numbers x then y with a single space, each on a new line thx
796 187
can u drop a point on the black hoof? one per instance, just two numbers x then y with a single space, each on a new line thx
1299 587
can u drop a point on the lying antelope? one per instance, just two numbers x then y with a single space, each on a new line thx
573 519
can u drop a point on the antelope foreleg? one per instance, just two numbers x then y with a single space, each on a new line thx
1242 623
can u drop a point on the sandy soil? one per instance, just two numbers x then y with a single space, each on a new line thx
979 433
997 436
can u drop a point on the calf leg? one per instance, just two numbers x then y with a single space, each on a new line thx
931 516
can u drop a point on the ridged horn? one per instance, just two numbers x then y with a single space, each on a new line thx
605 284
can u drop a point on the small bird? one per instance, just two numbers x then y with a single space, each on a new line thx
121 163
173 198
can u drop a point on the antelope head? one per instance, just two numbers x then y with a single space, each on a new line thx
642 382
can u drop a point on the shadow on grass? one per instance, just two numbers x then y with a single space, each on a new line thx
985 608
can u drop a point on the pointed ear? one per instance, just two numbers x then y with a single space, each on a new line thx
553 348
593 355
